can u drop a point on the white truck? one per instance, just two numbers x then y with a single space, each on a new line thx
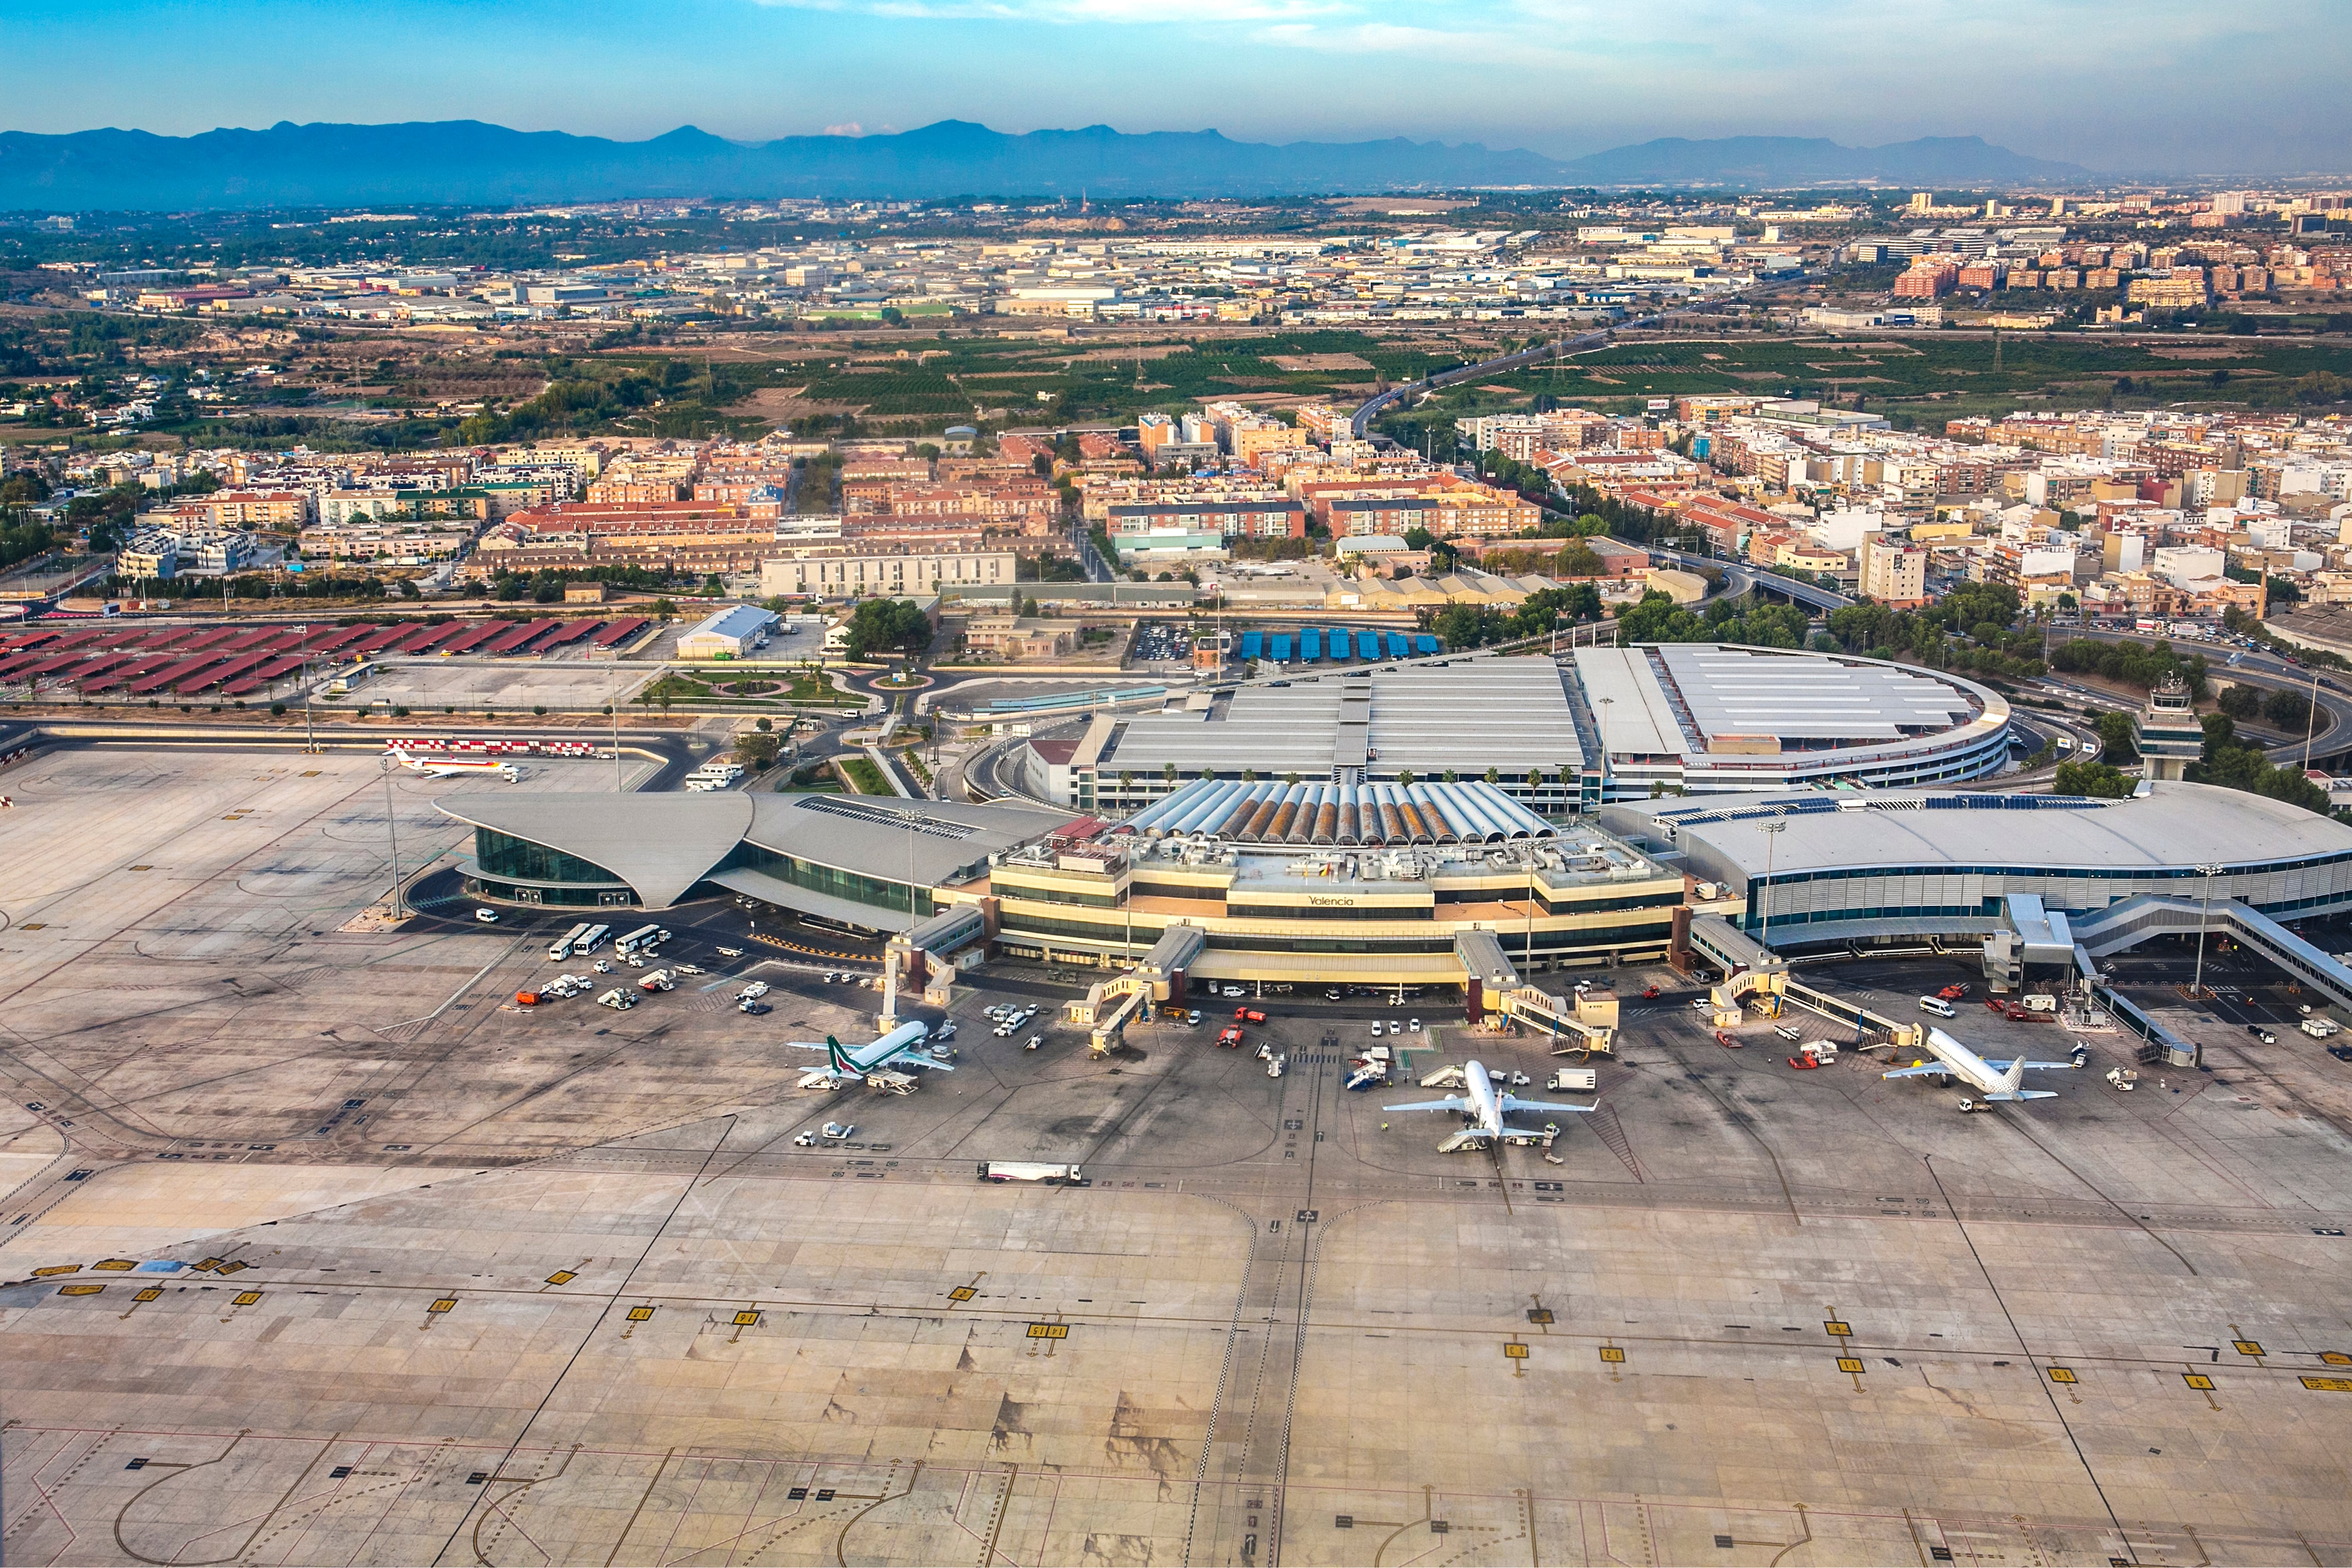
1585 1078
1031 1171
2319 1026
658 980
2039 1002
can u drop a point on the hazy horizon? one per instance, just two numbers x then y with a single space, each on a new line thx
2157 86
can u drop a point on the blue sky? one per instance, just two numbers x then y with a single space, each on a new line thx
2113 84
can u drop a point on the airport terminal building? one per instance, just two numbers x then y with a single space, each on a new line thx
1560 737
1385 884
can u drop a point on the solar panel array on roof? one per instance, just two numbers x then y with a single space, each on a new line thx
1466 715
1749 694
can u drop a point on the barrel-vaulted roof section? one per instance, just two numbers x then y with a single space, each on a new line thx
661 845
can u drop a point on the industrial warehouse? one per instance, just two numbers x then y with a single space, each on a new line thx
1610 725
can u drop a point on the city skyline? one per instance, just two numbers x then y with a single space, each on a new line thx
2092 82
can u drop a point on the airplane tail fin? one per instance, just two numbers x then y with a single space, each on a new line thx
2013 1077
839 1059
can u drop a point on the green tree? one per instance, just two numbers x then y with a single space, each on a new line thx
2115 738
2287 709
2095 779
888 625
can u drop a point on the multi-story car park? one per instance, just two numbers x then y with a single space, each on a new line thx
1608 723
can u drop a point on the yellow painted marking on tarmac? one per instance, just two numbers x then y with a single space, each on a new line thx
1614 1354
56 1269
2247 1347
1852 1363
116 1265
153 1293
246 1298
963 1293
2335 1358
1049 1330
1836 1329
2329 1385
2063 1374
639 1314
1515 1351
561 1277
2198 1380
746 1319
80 1290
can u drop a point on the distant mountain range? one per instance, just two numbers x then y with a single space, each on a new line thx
468 162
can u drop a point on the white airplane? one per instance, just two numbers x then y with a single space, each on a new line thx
1992 1081
1485 1107
895 1050
449 767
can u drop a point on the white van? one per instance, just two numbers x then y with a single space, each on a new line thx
1938 1005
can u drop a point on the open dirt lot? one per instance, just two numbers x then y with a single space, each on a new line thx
394 1271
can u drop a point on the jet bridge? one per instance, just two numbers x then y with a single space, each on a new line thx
1110 1005
1786 991
2133 920
1492 989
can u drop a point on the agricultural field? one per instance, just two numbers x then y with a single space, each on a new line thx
1925 379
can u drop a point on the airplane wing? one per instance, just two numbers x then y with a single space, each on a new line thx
917 1059
2004 1067
1456 1103
2026 1094
1920 1070
1513 1102
806 1045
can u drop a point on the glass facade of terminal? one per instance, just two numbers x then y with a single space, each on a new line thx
874 892
1962 893
522 872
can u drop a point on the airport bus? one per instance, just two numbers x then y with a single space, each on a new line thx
639 940
562 947
591 940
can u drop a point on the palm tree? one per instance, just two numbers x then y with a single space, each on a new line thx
1493 775
1404 778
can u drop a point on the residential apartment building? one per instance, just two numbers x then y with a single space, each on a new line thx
849 569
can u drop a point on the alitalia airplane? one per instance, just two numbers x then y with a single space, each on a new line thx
897 1049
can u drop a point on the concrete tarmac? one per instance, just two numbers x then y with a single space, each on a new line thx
389 1270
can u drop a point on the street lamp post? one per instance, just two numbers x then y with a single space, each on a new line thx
1772 831
2197 982
391 831
1605 704
2310 720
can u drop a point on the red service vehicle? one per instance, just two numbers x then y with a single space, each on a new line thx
1231 1040
1248 1016
1726 1041
1804 1064
1648 991
1953 993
